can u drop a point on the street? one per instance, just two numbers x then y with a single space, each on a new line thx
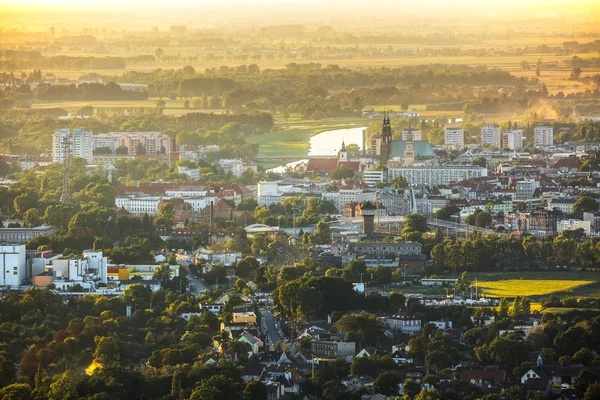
270 328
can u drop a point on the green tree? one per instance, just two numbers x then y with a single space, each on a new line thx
411 388
31 218
584 204
387 384
165 216
399 182
256 390
107 350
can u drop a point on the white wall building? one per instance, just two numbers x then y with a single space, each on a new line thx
105 140
454 137
543 136
80 144
572 225
193 173
433 176
526 188
373 177
139 205
512 139
97 264
491 136
12 265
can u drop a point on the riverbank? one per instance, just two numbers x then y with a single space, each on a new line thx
291 142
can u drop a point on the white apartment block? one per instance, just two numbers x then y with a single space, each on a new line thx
105 140
433 176
454 137
526 188
272 192
512 139
12 265
80 144
373 177
491 136
416 134
543 136
572 225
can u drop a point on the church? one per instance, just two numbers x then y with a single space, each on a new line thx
398 152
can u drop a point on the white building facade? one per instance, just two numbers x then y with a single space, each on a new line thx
543 136
512 139
454 137
491 136
12 265
433 175
80 144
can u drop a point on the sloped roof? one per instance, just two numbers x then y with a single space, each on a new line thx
321 164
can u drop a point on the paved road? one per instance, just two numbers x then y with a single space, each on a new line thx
270 327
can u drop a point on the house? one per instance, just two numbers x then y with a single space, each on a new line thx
536 373
404 323
482 378
366 352
356 382
214 308
273 358
252 371
538 386
245 317
254 342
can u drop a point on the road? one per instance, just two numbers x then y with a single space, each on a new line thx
270 327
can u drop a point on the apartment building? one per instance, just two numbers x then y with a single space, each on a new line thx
153 142
491 136
543 136
79 144
436 175
454 137
526 188
512 139
415 134
373 177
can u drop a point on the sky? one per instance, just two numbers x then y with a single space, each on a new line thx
313 10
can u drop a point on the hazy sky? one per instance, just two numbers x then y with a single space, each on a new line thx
263 12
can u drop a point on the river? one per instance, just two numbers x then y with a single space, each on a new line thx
327 143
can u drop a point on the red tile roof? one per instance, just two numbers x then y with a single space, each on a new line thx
321 164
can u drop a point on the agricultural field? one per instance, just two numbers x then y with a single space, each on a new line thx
528 287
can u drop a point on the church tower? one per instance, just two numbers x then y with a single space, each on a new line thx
409 150
386 138
343 157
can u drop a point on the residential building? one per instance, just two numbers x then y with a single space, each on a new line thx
348 196
526 188
543 136
404 323
193 173
153 142
105 140
436 175
12 265
79 144
512 139
538 222
573 225
491 136
563 204
373 177
326 348
237 166
454 137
